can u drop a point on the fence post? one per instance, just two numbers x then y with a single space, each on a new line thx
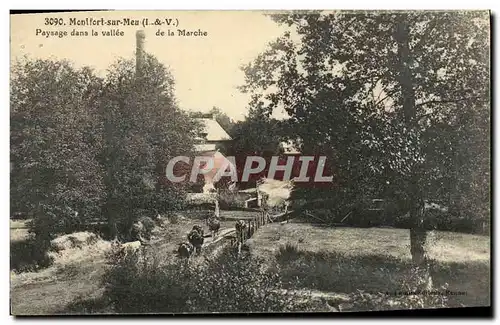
217 210
259 194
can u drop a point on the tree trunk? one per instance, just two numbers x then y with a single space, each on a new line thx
111 217
418 235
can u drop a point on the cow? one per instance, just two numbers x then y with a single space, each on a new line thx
240 227
120 251
185 250
199 229
131 247
195 238
213 225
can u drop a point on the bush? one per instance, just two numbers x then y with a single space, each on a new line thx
233 200
136 285
443 221
149 225
374 282
287 252
233 284
30 255
139 284
74 240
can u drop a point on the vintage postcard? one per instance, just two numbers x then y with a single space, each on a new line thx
172 162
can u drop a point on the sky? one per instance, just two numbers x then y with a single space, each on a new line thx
206 69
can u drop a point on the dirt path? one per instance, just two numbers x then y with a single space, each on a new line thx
50 290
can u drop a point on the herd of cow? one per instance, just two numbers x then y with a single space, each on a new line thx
196 236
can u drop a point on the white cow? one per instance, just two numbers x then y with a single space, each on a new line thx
130 247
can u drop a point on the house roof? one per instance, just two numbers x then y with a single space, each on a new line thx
214 131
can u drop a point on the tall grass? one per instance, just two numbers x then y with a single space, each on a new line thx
288 252
377 282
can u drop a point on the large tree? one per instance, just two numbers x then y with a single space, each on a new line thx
54 142
143 129
375 88
84 147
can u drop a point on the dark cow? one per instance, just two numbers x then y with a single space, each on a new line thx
241 228
198 229
185 250
213 226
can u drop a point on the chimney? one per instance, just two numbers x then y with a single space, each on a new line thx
140 37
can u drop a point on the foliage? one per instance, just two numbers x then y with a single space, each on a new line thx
30 255
54 143
232 200
392 215
143 129
83 147
287 252
149 225
224 284
257 135
373 282
409 296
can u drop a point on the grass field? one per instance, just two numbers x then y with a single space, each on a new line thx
338 260
18 230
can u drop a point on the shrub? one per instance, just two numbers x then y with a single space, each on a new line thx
85 306
29 255
174 219
287 252
74 240
409 296
233 284
433 219
376 282
136 285
233 200
149 225
61 135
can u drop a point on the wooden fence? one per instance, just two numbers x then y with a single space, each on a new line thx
264 214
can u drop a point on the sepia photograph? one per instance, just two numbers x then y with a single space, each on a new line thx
295 161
